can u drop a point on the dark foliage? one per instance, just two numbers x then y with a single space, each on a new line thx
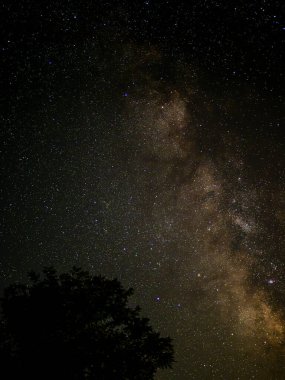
77 326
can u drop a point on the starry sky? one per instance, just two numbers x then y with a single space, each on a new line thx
145 141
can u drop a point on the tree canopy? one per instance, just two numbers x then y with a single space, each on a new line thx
77 326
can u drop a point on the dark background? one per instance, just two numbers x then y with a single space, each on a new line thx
84 184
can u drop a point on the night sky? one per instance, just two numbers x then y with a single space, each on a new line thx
145 141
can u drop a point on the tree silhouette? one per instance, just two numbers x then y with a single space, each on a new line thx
77 326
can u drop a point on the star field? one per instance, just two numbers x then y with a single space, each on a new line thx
145 141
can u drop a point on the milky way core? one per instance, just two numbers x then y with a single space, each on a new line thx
205 214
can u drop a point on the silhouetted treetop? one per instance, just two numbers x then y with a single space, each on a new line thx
77 326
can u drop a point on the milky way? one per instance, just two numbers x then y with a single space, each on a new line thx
144 168
203 215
